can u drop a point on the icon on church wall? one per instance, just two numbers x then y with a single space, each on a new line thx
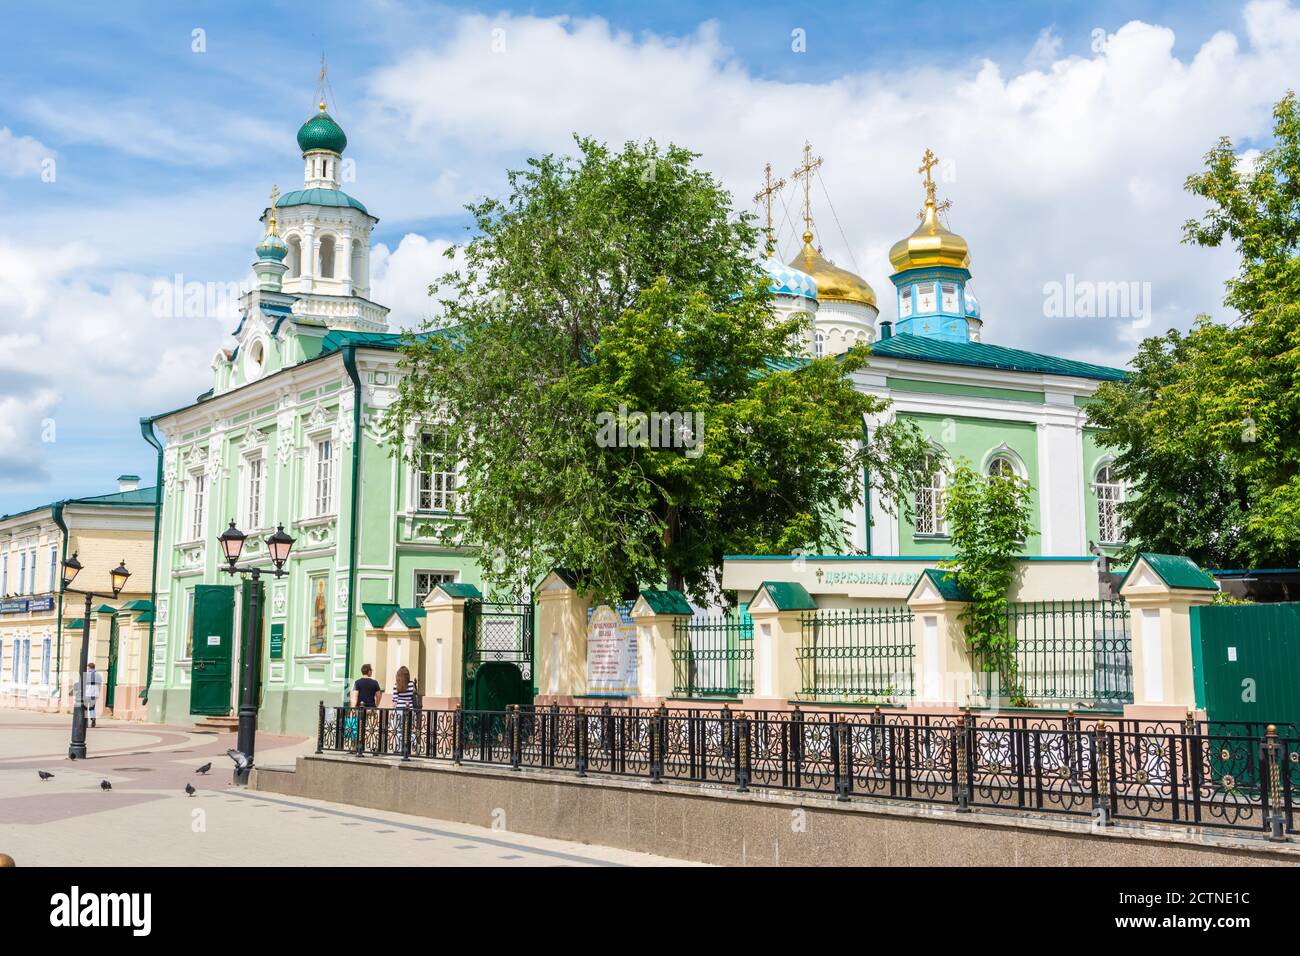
319 620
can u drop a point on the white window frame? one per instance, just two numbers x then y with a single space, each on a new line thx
450 577
46 670
322 506
1108 504
249 520
196 506
434 491
54 567
22 661
928 502
32 588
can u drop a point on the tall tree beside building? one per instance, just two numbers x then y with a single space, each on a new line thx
1206 427
612 283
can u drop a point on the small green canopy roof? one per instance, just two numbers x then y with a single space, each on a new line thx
106 609
789 596
380 614
139 604
1175 571
458 590
77 624
945 582
667 602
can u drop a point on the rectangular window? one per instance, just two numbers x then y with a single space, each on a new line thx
22 661
323 491
22 572
198 505
318 627
253 494
187 625
45 662
426 581
949 296
929 500
905 303
4 574
438 476
31 589
54 569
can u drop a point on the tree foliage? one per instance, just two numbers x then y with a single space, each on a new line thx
1207 426
988 521
613 283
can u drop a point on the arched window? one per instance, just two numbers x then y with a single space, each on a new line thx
819 344
1110 495
929 497
327 257
1001 466
295 257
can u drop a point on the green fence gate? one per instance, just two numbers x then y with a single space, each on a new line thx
1246 664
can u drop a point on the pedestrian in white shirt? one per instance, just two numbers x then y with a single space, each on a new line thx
93 681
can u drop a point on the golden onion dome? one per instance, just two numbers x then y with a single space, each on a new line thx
930 245
833 283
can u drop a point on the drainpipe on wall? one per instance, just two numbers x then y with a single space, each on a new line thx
56 510
146 429
350 364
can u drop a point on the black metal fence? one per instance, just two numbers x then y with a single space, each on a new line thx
860 655
1067 653
1187 772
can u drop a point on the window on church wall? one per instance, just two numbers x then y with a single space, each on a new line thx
1110 495
198 505
322 490
254 475
327 257
949 296
1001 467
925 297
929 498
905 303
819 344
426 581
295 257
438 473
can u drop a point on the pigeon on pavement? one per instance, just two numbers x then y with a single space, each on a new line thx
105 785
43 775
205 768
189 788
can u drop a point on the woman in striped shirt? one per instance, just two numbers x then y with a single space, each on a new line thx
403 696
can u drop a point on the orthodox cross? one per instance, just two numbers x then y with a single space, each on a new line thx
928 162
764 197
275 197
804 172
324 71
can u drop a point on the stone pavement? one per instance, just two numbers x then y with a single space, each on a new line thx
147 819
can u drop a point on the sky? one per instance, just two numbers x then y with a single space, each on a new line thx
139 143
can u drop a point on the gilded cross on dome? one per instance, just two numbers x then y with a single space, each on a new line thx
275 197
928 162
804 172
764 197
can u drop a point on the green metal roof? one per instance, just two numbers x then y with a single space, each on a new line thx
983 355
457 590
140 498
945 582
335 340
145 618
322 132
76 624
316 196
1175 570
789 596
139 604
106 609
667 602
380 614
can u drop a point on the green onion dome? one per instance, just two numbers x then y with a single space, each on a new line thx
321 132
272 247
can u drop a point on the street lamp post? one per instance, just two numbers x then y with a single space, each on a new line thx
278 546
117 577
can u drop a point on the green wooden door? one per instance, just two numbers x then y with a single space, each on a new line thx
495 686
214 625
110 679
1245 659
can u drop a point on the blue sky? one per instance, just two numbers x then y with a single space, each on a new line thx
1066 159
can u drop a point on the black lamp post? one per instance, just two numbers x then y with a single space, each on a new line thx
118 576
278 546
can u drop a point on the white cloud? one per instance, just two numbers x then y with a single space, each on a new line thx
21 155
1074 167
400 278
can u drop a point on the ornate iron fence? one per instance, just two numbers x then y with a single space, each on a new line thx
861 655
713 657
1068 653
1183 772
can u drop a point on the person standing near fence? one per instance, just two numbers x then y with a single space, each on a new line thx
92 681
366 692
403 690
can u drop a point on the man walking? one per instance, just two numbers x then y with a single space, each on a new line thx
93 681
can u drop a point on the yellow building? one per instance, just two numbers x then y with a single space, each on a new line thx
41 630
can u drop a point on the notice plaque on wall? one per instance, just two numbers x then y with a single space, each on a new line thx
611 652
277 642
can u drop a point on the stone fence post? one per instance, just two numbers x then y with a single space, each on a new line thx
561 640
944 675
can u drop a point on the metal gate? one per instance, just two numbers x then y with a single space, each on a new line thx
1246 663
498 650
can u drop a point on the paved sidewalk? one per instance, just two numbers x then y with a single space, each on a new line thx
147 819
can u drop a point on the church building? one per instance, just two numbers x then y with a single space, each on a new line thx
289 435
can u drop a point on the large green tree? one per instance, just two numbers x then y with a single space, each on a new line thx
618 282
1208 426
